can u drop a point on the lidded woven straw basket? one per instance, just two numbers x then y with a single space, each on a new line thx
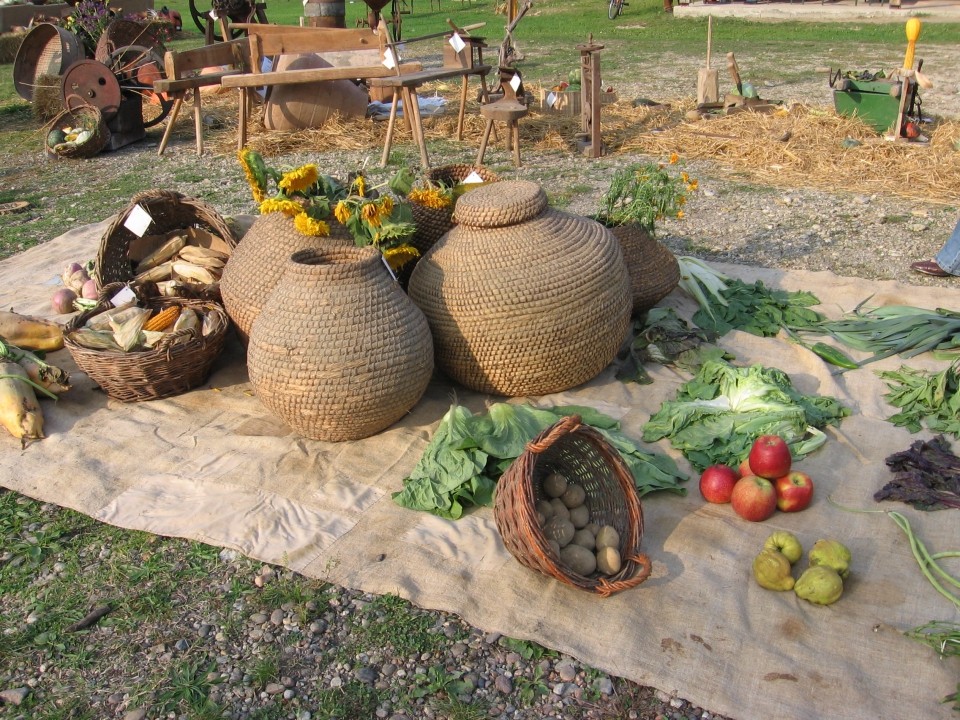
581 455
258 261
654 270
339 352
523 299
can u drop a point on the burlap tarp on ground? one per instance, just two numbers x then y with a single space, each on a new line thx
214 466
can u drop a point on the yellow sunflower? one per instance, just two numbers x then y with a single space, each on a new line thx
299 180
342 212
308 226
371 213
399 256
430 197
256 188
290 208
359 186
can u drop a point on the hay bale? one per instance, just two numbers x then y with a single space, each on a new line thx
47 102
9 44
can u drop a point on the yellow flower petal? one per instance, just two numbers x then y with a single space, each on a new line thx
300 179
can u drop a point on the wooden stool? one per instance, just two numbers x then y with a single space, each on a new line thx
507 109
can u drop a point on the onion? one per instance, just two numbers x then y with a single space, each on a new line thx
90 291
62 301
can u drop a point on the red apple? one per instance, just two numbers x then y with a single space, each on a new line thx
754 498
794 491
745 468
716 483
770 457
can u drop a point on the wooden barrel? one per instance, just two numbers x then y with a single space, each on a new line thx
325 13
48 49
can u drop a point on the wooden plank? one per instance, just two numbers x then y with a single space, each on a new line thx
178 63
416 79
205 80
306 75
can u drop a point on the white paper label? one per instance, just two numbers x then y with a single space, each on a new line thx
457 43
138 221
213 15
515 82
551 99
473 177
389 61
124 296
387 266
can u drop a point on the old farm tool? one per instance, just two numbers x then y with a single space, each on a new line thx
122 89
708 79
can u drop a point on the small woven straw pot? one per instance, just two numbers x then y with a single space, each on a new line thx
432 223
179 362
339 352
523 299
169 210
583 456
654 270
256 264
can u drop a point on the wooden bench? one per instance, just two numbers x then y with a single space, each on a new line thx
273 41
184 72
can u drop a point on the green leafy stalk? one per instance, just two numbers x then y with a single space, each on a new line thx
759 310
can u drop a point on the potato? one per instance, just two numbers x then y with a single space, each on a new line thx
578 559
560 530
580 516
585 539
541 519
559 509
554 485
544 508
574 495
593 527
608 536
608 560
555 546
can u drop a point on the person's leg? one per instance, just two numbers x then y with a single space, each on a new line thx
949 256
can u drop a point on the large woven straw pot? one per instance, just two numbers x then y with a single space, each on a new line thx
523 299
654 270
258 261
339 352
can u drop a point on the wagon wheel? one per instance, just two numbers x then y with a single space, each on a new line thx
137 68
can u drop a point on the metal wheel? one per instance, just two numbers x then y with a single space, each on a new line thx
137 68
615 8
246 11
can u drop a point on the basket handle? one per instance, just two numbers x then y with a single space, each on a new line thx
155 194
606 588
564 426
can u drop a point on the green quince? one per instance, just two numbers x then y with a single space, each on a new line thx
785 543
819 584
771 569
831 554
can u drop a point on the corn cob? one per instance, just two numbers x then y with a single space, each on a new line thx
155 274
162 319
189 271
20 412
205 257
162 254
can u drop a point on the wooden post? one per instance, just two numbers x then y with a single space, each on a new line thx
589 137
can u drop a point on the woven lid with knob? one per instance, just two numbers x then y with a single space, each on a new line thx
508 202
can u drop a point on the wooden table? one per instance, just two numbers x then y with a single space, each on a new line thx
406 86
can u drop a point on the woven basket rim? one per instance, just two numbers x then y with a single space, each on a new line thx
94 145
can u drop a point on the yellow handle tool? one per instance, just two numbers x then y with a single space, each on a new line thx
913 32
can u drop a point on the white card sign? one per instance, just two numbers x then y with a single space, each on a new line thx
138 220
473 177
551 99
457 43
389 61
515 82
124 296
213 15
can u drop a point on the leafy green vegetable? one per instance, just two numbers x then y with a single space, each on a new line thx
468 453
661 337
931 399
926 476
897 330
759 310
718 414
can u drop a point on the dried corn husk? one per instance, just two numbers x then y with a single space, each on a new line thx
94 339
101 321
169 288
205 257
20 412
152 337
127 334
209 324
190 271
161 272
188 320
162 254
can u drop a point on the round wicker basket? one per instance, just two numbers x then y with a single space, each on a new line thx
582 455
88 117
180 362
654 271
523 299
169 210
256 264
339 352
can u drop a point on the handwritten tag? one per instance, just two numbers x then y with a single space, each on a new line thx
473 177
551 99
389 61
124 296
515 82
138 220
457 43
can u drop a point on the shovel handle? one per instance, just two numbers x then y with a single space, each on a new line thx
709 38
